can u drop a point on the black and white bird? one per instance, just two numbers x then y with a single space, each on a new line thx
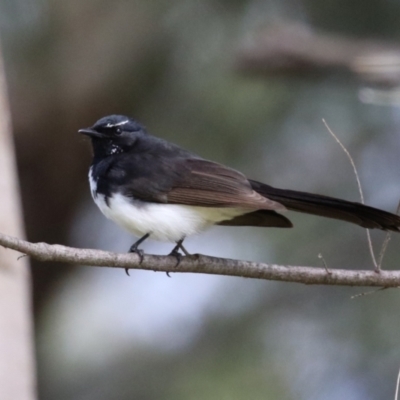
156 189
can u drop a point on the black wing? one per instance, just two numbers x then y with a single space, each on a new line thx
185 180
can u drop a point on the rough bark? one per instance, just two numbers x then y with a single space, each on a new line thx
203 264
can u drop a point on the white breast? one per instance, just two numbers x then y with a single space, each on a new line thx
166 222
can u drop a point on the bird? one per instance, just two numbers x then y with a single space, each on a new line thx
156 189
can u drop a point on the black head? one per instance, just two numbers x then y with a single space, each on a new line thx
113 134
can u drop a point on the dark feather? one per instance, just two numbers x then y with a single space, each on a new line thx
261 218
357 213
209 184
162 176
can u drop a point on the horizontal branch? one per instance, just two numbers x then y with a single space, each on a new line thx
202 264
295 49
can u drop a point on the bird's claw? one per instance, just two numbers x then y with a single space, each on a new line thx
177 255
137 251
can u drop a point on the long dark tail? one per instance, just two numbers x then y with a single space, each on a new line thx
357 213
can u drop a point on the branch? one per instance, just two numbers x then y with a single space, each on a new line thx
203 264
295 49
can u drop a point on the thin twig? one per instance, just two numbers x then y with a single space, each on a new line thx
386 242
396 396
368 293
383 249
320 256
202 264
371 248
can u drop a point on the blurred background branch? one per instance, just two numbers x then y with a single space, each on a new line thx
297 49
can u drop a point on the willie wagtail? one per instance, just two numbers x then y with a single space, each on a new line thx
156 189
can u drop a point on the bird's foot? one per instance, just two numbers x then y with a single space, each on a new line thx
135 249
139 252
175 253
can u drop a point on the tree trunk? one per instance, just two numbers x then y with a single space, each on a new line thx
17 369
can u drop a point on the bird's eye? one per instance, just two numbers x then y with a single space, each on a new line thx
118 131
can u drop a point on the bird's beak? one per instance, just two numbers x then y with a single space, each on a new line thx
90 132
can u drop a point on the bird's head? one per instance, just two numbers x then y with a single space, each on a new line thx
113 134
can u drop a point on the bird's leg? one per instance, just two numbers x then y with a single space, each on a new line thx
183 249
134 249
175 251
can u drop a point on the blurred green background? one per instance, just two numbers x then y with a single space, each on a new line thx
178 67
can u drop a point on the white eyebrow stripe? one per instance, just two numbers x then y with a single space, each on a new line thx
110 125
